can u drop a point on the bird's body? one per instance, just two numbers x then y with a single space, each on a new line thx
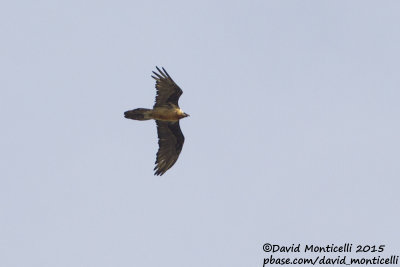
164 113
167 114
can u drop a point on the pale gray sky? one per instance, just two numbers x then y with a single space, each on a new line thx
293 135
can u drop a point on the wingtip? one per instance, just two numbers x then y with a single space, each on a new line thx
158 173
166 72
158 75
156 170
163 73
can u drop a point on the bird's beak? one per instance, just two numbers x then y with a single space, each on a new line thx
186 115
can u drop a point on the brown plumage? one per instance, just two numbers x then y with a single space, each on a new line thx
167 114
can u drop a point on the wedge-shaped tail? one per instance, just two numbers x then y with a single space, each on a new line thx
139 114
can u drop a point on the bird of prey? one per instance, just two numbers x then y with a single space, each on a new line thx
166 113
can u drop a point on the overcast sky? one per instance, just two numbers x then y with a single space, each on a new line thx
293 135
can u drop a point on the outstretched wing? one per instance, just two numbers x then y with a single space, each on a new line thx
167 90
170 142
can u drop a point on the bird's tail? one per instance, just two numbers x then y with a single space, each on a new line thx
140 114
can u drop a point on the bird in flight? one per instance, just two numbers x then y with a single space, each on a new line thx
166 113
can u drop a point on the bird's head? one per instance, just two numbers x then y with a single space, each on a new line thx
182 114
